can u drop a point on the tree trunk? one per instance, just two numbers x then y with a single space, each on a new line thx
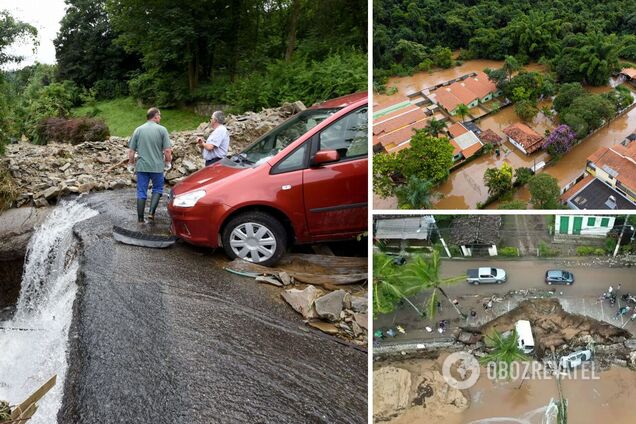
291 34
451 302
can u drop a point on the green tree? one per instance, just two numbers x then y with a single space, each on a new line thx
598 58
498 180
566 95
423 274
462 110
85 49
12 30
435 127
502 350
385 171
510 66
389 287
526 110
428 158
415 194
545 192
442 56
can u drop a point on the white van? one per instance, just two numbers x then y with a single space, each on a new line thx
525 341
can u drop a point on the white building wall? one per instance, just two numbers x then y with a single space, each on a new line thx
591 225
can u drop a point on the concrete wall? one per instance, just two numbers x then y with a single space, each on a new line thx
591 225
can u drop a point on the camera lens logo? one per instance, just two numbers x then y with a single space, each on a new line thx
465 365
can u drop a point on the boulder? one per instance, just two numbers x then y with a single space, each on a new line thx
302 300
330 305
16 227
359 304
362 320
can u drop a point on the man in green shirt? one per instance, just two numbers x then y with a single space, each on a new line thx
154 155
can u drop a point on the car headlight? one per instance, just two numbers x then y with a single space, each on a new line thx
188 200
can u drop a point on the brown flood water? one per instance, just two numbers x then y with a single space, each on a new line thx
608 399
422 80
465 187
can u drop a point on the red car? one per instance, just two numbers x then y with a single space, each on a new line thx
303 182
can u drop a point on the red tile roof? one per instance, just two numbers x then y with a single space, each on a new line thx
396 137
490 136
630 72
619 158
396 122
456 130
524 135
465 91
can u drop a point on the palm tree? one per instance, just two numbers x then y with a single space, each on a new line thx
510 66
434 127
535 33
388 286
423 273
462 110
415 194
503 349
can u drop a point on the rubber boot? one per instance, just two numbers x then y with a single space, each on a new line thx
154 202
141 207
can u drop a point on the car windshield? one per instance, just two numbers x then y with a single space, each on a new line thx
280 137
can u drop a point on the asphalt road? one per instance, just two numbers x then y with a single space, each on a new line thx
526 274
168 336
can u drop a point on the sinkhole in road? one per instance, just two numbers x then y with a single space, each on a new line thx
34 340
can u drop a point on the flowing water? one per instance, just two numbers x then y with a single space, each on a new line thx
33 343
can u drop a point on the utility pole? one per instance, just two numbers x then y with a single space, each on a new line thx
618 244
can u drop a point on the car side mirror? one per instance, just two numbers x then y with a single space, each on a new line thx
325 156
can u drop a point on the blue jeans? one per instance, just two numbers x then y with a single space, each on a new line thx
211 161
143 178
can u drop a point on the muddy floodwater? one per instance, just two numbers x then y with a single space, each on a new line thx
465 188
601 400
421 80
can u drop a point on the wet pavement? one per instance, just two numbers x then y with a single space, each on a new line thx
525 279
168 336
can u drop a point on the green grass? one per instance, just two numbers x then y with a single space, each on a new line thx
123 115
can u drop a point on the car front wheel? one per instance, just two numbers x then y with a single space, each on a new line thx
255 237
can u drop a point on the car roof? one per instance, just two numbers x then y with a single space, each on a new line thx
342 101
555 272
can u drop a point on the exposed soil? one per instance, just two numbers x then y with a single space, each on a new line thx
552 327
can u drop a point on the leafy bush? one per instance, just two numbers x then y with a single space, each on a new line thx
73 131
522 176
161 90
508 251
300 79
590 251
610 245
547 251
8 189
53 100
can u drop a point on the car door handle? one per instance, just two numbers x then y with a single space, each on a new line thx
286 187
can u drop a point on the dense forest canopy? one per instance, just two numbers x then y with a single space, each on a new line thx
558 32
246 54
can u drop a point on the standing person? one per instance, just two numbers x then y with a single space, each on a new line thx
154 155
217 144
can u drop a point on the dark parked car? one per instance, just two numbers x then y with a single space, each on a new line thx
559 276
303 182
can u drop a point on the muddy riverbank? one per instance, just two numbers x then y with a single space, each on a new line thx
168 336
508 401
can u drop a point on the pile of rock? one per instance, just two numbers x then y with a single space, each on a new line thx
337 312
43 174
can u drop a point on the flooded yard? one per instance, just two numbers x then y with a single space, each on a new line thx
465 187
604 399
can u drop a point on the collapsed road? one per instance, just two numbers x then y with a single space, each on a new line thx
168 336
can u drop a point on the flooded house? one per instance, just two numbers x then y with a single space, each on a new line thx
470 91
464 141
523 137
609 180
